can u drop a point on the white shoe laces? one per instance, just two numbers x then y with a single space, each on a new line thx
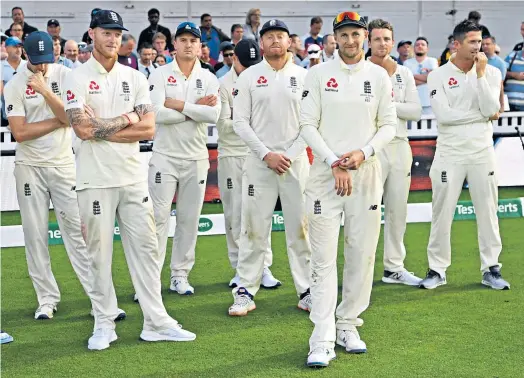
241 300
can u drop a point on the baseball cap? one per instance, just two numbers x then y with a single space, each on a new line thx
84 47
38 47
349 19
404 42
53 22
226 45
107 19
274 25
248 52
188 27
313 51
13 41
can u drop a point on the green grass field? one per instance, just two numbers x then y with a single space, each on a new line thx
459 330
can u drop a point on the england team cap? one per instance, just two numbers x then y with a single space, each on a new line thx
39 48
188 27
107 19
248 52
274 25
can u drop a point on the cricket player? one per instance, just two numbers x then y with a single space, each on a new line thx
465 99
347 118
395 158
109 108
266 114
45 168
185 98
232 152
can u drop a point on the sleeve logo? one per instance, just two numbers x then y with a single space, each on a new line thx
304 94
151 87
433 93
10 108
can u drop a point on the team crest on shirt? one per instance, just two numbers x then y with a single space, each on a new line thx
55 88
30 93
331 85
293 84
94 88
367 92
453 83
199 87
398 82
126 92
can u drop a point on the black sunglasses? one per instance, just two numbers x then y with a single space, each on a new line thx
228 55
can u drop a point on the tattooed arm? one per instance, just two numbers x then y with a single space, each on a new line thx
87 126
142 130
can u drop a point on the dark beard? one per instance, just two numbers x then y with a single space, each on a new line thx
420 54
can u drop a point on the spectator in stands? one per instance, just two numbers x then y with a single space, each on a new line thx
330 45
488 47
148 34
84 52
172 53
475 17
497 49
126 56
71 52
404 51
86 38
203 64
17 14
514 83
160 45
159 60
314 36
57 50
237 32
252 26
3 51
444 57
145 64
295 48
421 65
212 35
17 30
227 53
313 56
54 29
206 57
11 65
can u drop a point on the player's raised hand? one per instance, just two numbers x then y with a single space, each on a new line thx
209 100
277 162
481 61
390 66
343 181
352 160
37 82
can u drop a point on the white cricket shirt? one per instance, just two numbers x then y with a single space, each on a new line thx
229 143
50 150
267 109
100 163
463 104
176 136
347 109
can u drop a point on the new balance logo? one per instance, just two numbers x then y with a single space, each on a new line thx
145 199
293 81
199 84
73 188
367 87
27 190
125 87
251 190
158 178
399 78
444 176
96 208
317 209
54 88
491 173
373 207
229 183
151 87
201 182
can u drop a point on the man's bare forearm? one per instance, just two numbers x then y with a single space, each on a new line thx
142 110
143 130
514 75
98 128
33 130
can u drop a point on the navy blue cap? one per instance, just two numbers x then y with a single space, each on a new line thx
107 19
404 42
188 27
38 47
248 52
274 25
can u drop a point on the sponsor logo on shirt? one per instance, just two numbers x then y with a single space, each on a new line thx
94 88
262 82
171 81
70 97
151 87
304 94
30 93
433 93
234 92
453 83
9 108
331 85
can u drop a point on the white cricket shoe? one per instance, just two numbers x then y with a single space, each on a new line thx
320 357
5 338
135 298
121 314
268 280
432 280
45 311
101 339
243 304
350 339
235 281
305 302
181 286
402 277
175 333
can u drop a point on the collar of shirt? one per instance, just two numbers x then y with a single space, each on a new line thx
96 66
196 67
290 61
26 71
357 67
455 68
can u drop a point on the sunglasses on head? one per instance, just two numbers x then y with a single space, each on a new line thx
184 24
313 52
228 55
353 16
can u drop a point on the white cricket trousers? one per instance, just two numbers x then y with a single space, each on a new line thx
187 179
361 232
34 187
261 187
134 212
447 179
395 160
230 185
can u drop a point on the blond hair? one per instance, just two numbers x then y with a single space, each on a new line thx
251 12
159 36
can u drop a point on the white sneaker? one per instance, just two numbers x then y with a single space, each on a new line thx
350 339
5 338
235 281
268 280
101 339
305 302
135 298
121 314
45 311
175 333
243 304
181 286
320 357
402 277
